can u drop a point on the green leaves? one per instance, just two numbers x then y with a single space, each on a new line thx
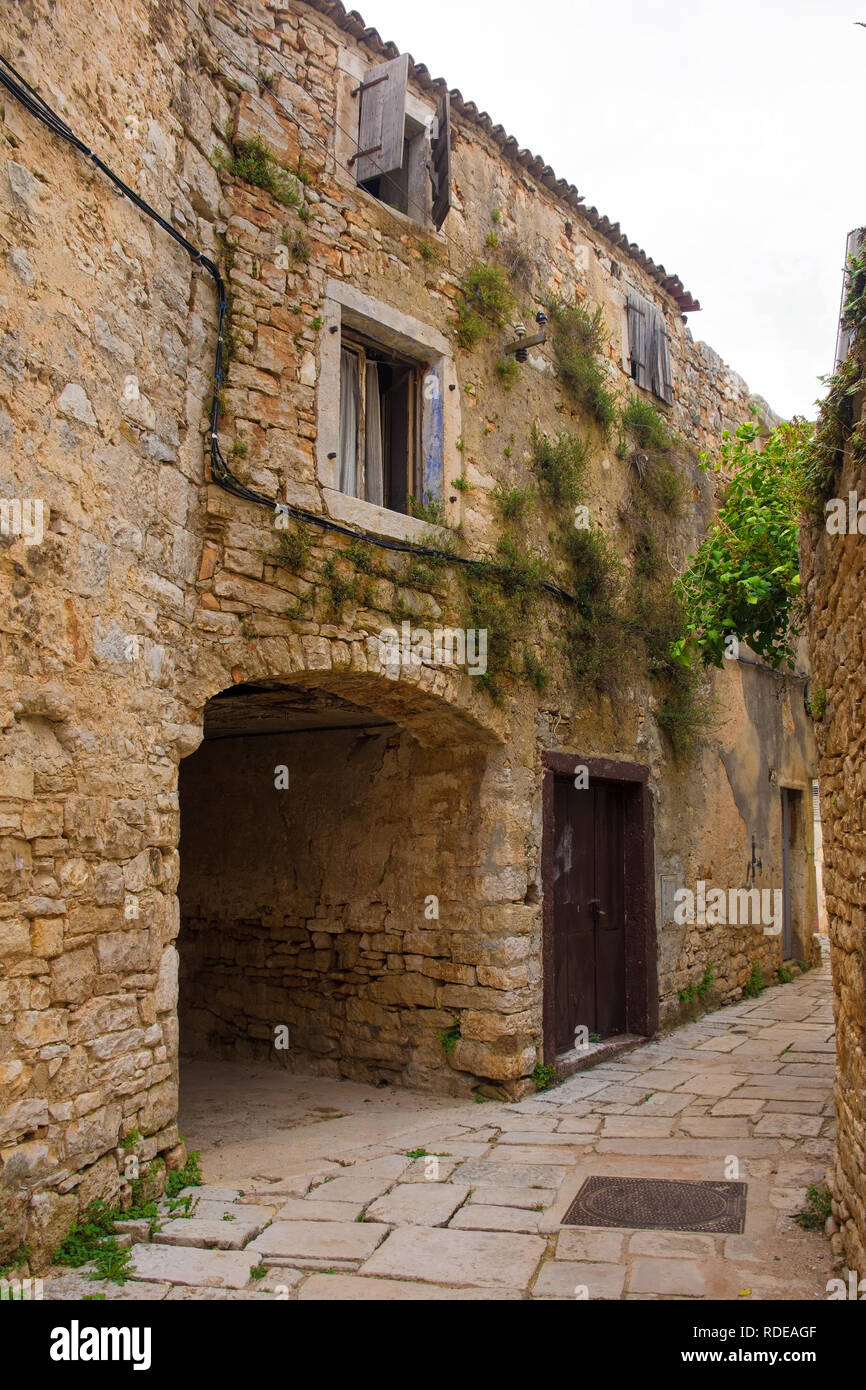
744 580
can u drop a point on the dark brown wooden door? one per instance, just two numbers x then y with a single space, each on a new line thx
589 910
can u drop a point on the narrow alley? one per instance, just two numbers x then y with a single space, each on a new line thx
320 1189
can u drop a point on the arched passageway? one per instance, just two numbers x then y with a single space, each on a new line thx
329 862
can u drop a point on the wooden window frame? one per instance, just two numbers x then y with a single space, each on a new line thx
368 350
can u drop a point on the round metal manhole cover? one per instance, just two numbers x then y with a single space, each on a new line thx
660 1204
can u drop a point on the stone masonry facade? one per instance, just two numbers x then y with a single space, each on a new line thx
834 580
154 590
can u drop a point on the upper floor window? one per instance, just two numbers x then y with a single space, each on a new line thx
388 414
649 347
379 423
399 160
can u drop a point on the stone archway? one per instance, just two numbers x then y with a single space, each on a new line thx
330 882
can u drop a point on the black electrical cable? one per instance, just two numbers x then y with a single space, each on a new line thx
221 473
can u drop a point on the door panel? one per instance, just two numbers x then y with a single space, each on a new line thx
610 892
589 910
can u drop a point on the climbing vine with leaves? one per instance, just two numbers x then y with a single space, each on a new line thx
745 579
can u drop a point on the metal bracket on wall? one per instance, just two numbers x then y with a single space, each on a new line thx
365 86
536 341
374 149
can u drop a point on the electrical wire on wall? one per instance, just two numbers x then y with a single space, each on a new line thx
222 474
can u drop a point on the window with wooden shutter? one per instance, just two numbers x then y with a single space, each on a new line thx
382 126
440 162
379 423
399 156
649 347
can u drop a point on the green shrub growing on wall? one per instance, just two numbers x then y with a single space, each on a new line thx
485 301
663 487
535 671
294 548
580 346
513 502
431 509
837 425
254 162
645 424
508 372
657 478
560 466
595 642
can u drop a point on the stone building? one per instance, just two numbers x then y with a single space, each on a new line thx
834 581
212 752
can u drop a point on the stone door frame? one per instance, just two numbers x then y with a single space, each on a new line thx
642 1000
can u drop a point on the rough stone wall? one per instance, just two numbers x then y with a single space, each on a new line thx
153 589
834 578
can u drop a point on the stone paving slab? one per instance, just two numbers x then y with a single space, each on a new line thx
673 1244
219 1269
75 1286
391 1165
588 1244
278 1280
530 1154
737 1106
488 1259
296 1209
667 1103
352 1189
688 1148
511 1123
495 1174
525 1197
671 1278
317 1240
207 1193
637 1127
342 1288
545 1139
180 1294
414 1204
207 1234
794 1126
476 1217
585 1280
417 1170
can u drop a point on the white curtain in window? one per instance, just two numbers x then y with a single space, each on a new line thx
374 474
349 409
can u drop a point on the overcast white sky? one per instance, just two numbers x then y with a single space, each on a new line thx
723 135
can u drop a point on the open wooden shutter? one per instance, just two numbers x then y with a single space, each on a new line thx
383 119
648 347
637 338
440 162
667 381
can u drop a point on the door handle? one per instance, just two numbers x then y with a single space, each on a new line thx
595 904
